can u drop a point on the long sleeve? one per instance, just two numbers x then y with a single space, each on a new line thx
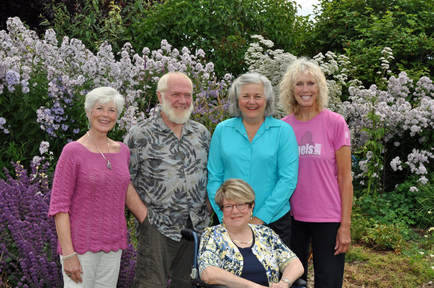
287 171
215 170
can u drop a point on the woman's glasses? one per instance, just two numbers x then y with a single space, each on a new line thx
241 207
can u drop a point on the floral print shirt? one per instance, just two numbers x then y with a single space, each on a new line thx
217 249
170 174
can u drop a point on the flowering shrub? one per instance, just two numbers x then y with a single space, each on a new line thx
42 84
396 122
28 256
391 123
273 64
29 240
51 78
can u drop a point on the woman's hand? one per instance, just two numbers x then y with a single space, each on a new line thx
73 269
343 239
280 284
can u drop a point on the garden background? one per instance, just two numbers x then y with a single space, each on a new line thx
377 56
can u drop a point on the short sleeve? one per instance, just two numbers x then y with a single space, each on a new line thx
341 133
134 162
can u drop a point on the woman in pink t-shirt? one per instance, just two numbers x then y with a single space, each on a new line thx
91 187
322 201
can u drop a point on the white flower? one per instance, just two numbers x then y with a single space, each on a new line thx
43 147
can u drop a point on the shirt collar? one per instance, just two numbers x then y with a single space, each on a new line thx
268 122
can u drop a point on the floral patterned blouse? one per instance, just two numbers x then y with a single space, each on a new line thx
217 249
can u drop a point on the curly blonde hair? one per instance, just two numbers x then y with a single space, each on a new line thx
302 65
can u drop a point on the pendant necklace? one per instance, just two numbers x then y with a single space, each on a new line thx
108 164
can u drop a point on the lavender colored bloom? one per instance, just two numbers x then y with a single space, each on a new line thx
36 160
12 77
27 233
43 147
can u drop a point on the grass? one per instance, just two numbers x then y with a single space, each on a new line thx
410 266
366 267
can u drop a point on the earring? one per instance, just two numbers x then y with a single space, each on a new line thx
251 215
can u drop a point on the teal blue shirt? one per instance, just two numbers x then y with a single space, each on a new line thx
269 164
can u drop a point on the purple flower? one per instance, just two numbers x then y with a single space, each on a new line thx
12 77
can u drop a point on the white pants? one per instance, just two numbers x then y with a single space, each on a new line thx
100 269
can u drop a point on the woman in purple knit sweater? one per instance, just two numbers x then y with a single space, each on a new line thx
91 187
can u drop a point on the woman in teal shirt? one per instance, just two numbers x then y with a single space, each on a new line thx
257 148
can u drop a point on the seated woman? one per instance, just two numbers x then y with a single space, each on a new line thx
239 254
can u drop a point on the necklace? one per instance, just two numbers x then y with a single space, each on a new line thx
108 164
242 242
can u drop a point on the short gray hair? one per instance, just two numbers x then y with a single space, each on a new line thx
104 95
251 78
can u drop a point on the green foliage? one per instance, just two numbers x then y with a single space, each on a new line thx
373 149
380 236
382 221
363 28
405 205
385 237
415 205
19 110
221 28
93 22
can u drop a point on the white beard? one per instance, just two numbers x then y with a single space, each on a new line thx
172 115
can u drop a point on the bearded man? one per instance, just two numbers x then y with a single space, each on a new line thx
168 168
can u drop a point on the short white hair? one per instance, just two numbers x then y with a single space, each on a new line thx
104 95
162 83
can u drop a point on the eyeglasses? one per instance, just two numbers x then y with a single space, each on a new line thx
241 207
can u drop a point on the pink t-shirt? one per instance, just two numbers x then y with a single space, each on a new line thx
316 197
94 197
